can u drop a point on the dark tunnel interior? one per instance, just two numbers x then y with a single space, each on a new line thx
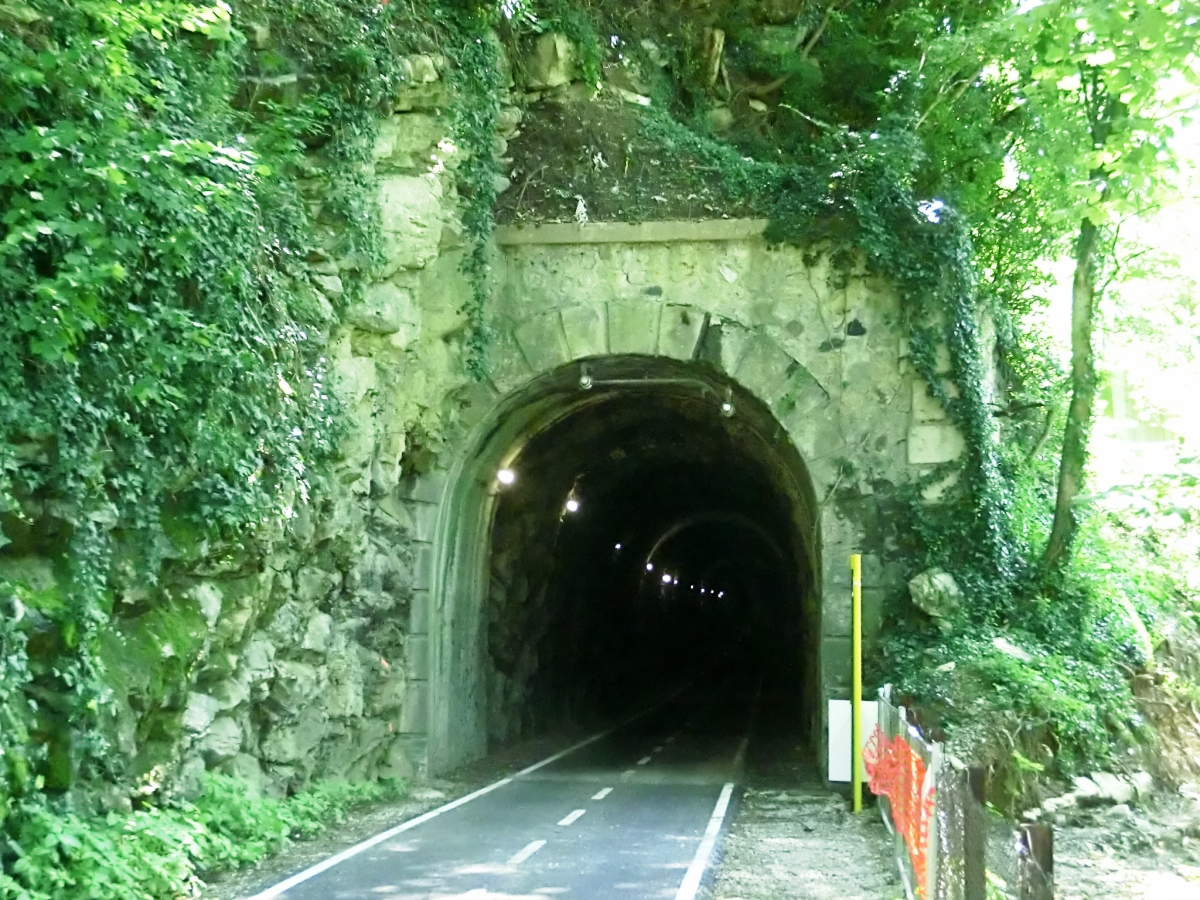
647 539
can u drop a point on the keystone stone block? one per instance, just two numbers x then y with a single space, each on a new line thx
633 328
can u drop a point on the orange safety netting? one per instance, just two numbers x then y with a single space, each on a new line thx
898 773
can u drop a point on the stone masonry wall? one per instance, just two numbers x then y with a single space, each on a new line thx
311 659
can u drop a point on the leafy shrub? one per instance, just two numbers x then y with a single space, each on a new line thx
162 852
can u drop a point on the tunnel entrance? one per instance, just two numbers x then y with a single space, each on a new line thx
622 527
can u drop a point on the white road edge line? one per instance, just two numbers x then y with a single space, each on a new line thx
288 883
527 851
601 794
643 761
311 872
572 817
691 881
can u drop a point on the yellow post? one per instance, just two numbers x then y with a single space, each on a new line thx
856 686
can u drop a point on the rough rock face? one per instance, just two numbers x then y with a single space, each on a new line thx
309 656
303 664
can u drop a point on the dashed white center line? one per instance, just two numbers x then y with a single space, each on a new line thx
657 749
601 794
527 851
627 774
643 761
572 818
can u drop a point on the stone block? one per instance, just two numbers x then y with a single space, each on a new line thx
208 597
318 633
585 330
931 444
424 518
414 717
429 487
764 368
1113 789
422 579
232 692
295 684
223 741
408 141
507 367
925 407
386 308
416 653
731 341
200 712
835 612
551 64
247 769
344 698
679 331
258 659
410 221
835 665
289 743
418 612
633 327
542 342
389 692
314 584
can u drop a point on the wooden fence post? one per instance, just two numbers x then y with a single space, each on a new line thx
975 836
1036 865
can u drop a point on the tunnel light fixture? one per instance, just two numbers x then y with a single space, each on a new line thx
727 404
649 567
585 378
616 546
506 476
572 505
666 578
720 593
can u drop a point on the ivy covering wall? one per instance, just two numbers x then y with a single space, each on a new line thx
163 386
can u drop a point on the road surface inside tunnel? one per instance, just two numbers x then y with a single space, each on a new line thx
635 813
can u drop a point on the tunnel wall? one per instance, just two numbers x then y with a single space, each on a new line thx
819 346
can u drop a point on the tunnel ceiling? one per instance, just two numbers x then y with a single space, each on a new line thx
644 461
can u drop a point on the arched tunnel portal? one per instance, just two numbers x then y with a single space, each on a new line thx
619 528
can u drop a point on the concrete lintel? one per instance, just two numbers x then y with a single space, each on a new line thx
631 233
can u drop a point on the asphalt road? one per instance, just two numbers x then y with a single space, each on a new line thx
636 813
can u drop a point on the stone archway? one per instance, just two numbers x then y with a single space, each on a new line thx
817 347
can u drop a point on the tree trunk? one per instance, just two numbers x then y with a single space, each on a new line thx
1072 468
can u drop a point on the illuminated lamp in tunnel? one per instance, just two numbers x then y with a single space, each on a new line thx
506 476
572 505
666 579
649 567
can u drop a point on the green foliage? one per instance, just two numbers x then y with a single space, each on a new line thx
158 371
955 145
164 851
